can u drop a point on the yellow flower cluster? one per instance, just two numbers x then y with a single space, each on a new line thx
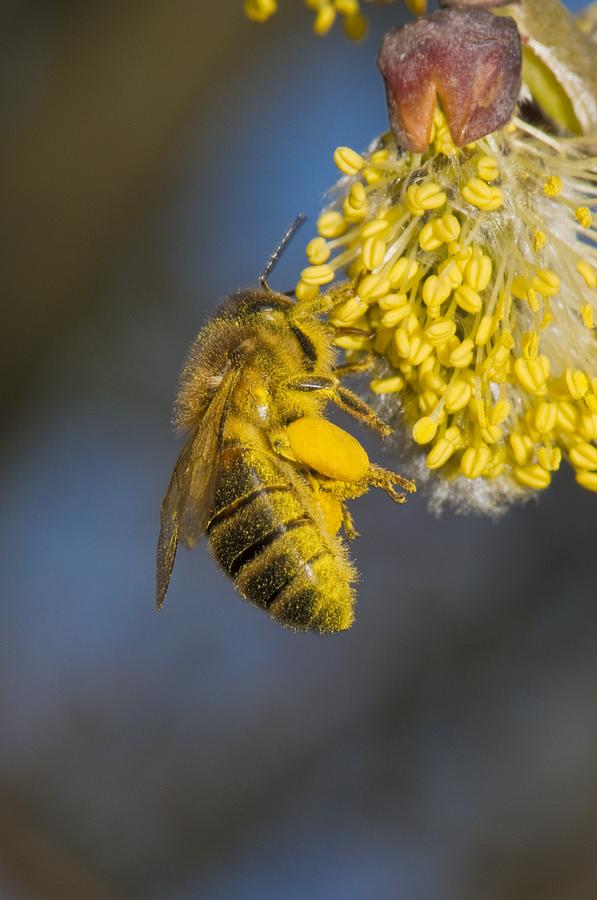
472 291
326 12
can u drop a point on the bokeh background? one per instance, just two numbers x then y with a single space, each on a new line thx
152 154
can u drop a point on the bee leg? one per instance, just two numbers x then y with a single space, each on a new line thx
356 368
344 398
384 479
281 445
358 409
348 524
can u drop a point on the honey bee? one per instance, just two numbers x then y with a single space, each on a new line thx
263 474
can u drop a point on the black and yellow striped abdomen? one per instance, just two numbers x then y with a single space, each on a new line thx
269 540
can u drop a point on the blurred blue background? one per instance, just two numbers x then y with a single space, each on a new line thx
153 153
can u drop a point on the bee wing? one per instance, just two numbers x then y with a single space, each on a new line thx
188 500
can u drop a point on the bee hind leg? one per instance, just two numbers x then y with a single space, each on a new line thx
384 479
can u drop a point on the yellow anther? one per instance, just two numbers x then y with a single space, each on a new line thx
538 240
402 342
422 197
520 286
478 272
532 476
576 383
424 430
584 456
553 186
347 7
447 227
457 396
482 195
567 416
331 224
393 301
588 425
462 356
549 458
587 272
477 409
355 27
374 228
522 447
306 291
436 289
587 315
468 299
428 400
373 287
533 299
530 344
587 480
440 331
419 350
474 460
487 168
428 239
403 273
380 156
387 385
393 316
348 161
546 282
583 216
546 417
260 10
486 329
429 378
532 374
374 250
500 412
327 449
355 205
491 434
349 311
318 251
317 275
451 270
352 342
440 454
324 19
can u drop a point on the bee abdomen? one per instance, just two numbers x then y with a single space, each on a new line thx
274 550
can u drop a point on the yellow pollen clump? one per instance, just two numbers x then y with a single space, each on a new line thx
538 240
327 449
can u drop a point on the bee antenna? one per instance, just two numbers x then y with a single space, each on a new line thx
274 258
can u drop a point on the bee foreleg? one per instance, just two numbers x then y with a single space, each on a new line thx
358 409
366 364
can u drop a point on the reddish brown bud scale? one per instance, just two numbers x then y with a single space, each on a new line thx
468 58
